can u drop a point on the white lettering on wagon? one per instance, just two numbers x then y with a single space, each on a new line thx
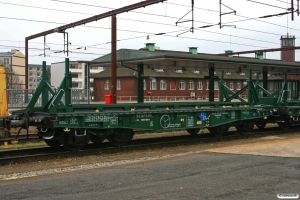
165 122
73 120
146 115
63 122
101 118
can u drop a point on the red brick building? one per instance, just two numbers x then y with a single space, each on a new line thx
169 84
182 79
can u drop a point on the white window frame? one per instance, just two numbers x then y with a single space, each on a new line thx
118 84
238 85
6 61
216 85
207 85
199 85
181 85
191 85
231 86
163 85
106 85
153 84
144 84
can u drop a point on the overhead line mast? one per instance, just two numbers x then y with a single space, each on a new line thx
62 29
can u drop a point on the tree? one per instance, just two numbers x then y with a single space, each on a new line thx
13 80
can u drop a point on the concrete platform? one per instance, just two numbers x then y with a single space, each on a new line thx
277 146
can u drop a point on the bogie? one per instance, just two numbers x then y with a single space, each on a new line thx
120 137
75 139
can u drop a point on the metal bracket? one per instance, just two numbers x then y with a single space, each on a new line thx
84 133
45 48
192 28
233 11
128 67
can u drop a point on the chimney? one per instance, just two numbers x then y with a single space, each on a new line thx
259 55
13 51
150 46
229 53
193 50
288 41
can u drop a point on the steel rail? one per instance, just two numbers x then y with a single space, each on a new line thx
47 153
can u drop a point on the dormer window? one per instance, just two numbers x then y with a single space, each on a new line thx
159 70
178 71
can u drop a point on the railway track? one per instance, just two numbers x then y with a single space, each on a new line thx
46 153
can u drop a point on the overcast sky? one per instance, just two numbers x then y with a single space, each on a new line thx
20 19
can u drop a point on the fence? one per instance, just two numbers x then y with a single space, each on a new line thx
17 98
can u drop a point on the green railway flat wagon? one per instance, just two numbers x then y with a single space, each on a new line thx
73 126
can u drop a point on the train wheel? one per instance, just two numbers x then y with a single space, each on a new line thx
52 143
218 131
244 127
96 140
120 137
193 131
260 124
285 125
71 142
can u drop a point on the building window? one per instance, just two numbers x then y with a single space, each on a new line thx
6 61
73 66
231 85
207 85
238 85
172 84
182 85
199 85
216 85
144 83
74 85
74 75
191 85
163 85
276 86
153 84
118 84
270 86
106 85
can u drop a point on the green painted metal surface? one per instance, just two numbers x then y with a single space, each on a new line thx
160 119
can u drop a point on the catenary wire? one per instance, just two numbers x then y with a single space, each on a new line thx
232 35
148 21
170 16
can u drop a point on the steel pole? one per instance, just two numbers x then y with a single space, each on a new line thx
114 58
26 64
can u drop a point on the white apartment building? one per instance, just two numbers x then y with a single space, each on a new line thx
78 71
35 74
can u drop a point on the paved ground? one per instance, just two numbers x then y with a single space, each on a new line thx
231 173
